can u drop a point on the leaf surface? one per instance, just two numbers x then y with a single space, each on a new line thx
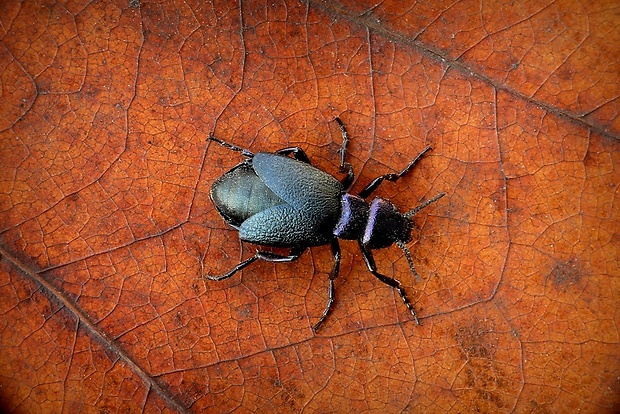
106 225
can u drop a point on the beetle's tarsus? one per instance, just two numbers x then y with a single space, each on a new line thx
330 301
332 276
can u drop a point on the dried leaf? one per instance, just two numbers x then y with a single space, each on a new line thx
106 221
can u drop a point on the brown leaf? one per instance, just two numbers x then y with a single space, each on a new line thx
106 221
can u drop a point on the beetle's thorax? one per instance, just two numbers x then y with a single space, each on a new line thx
377 225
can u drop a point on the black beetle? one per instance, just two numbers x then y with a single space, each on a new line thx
275 200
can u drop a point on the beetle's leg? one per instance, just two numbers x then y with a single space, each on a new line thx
348 180
345 142
332 276
298 153
370 263
391 177
232 271
266 256
244 152
278 258
345 166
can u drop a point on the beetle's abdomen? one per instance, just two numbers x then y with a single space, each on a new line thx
283 226
240 193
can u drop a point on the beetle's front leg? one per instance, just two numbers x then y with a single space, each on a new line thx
262 255
370 263
332 276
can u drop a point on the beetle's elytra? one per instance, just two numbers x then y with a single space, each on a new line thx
274 200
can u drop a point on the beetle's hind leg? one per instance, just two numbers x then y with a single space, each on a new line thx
244 152
234 270
262 255
370 263
345 167
332 276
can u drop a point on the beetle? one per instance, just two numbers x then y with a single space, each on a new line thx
273 199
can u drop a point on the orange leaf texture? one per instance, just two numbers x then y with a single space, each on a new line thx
107 227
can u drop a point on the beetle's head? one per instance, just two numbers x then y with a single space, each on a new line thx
376 226
385 225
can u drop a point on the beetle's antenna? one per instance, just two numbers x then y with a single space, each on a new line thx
404 248
413 212
408 215
244 152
